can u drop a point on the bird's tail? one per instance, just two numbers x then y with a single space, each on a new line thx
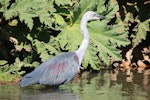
28 81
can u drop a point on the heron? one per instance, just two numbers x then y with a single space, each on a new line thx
62 68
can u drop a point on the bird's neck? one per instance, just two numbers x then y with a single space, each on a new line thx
82 49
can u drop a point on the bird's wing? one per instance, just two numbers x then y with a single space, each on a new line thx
60 70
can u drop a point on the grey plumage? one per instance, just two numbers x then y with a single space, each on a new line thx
55 71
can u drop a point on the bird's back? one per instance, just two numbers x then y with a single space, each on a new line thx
55 71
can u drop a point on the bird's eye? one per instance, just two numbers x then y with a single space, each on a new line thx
95 15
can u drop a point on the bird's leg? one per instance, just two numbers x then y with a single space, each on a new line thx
78 77
81 68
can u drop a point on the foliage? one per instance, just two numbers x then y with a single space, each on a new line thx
32 43
26 10
6 71
141 31
136 17
44 49
33 31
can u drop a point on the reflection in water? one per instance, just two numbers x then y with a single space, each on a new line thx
56 95
134 84
106 85
9 92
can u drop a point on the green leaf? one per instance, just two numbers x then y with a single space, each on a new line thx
82 7
70 37
92 59
3 62
10 72
106 39
45 50
59 19
63 2
26 10
4 5
141 31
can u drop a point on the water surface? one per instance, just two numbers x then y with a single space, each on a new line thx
105 85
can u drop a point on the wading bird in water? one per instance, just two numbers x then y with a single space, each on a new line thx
62 68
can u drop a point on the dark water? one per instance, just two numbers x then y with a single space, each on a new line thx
106 85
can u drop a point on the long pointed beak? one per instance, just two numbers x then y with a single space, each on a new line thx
101 17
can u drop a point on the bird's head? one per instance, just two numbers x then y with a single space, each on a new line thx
91 15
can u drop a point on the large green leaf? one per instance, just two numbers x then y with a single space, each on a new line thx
26 10
45 50
91 58
82 7
70 37
106 39
141 31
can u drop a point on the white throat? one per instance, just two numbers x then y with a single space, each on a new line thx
83 47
